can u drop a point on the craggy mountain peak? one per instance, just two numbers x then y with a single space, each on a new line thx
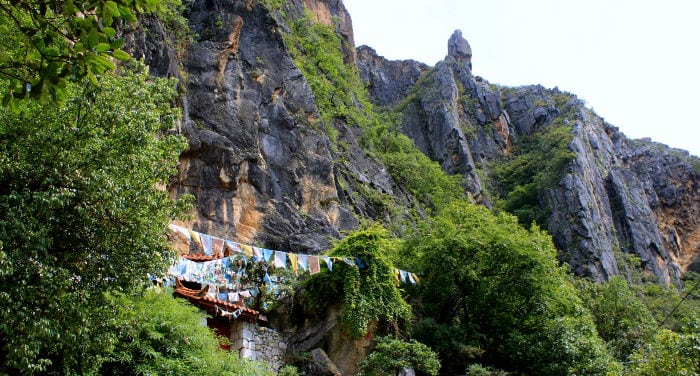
459 49
616 198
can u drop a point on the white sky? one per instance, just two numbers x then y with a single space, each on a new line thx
634 62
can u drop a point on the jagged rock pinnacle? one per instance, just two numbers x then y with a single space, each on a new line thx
459 49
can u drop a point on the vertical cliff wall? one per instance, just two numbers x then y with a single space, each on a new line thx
616 197
259 172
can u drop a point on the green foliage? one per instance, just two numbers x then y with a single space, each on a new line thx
500 287
368 294
44 44
158 334
317 52
288 370
176 24
392 355
339 94
621 318
81 214
479 370
669 354
412 169
272 4
675 310
538 163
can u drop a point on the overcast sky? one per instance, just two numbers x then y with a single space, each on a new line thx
634 62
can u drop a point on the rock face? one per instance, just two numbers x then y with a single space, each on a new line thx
618 196
258 173
459 49
388 81
452 116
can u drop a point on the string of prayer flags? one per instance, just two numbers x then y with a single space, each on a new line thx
402 276
213 245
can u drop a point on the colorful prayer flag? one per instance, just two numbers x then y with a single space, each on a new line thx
293 261
233 247
247 250
257 253
280 259
267 254
328 262
314 265
217 245
206 243
303 262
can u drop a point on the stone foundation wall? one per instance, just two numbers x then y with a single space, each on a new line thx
258 343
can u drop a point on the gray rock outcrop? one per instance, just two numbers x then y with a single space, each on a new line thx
617 197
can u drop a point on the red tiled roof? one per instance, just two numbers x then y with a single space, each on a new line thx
199 257
213 305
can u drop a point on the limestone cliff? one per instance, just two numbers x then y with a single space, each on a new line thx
262 173
259 173
617 197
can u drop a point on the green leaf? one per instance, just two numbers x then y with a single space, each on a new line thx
93 38
112 7
117 43
127 14
6 99
109 32
121 55
68 8
102 47
92 78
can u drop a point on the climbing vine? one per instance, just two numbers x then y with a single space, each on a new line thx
367 290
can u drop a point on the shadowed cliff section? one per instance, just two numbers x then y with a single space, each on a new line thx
263 164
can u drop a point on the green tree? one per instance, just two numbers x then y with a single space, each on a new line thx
83 211
668 354
158 334
44 44
501 288
392 355
621 317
